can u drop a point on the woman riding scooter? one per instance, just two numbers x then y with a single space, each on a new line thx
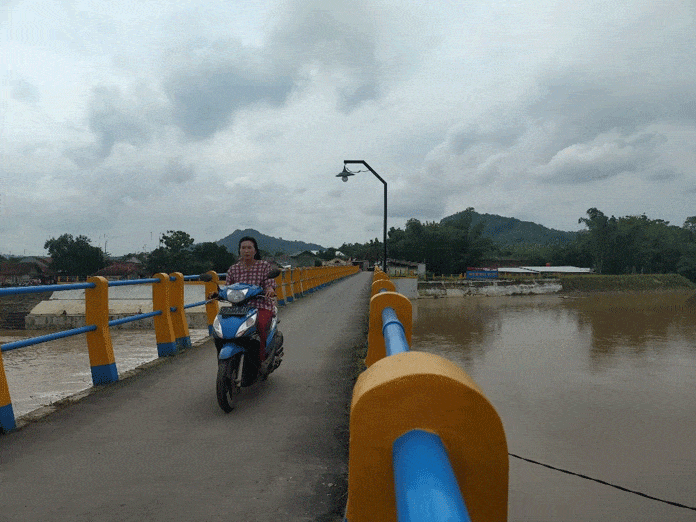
251 269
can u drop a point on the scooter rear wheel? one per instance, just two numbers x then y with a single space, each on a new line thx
226 388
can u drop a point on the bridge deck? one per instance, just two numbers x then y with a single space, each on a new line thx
157 447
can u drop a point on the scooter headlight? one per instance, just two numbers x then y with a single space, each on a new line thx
217 328
236 296
246 325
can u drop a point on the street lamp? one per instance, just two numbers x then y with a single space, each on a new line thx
344 176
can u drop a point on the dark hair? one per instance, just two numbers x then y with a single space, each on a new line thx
256 246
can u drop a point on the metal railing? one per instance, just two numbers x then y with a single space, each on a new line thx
170 323
425 444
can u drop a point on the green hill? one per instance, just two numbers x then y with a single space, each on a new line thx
266 243
507 231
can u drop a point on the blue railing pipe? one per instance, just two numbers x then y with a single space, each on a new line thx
46 288
133 318
193 305
393 332
48 337
133 282
425 486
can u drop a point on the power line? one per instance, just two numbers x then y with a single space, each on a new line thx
676 504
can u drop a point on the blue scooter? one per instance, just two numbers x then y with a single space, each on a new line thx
237 342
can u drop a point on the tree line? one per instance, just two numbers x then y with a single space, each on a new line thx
609 245
75 256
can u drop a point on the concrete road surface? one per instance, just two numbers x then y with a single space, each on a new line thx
156 446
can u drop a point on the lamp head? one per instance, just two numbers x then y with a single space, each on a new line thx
344 175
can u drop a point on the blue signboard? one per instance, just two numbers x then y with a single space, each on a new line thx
482 273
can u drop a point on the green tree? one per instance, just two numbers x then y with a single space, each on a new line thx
178 253
600 238
445 248
74 256
173 255
211 256
328 254
686 265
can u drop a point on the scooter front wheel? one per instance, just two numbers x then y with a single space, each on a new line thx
226 387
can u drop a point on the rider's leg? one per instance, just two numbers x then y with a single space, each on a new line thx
263 323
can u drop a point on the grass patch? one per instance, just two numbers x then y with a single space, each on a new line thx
623 283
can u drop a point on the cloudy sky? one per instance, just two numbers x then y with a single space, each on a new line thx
120 120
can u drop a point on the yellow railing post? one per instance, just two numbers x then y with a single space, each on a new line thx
382 284
101 351
415 390
302 287
7 418
280 295
306 279
179 322
212 307
295 274
401 305
164 331
282 286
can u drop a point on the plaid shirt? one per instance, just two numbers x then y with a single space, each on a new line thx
256 274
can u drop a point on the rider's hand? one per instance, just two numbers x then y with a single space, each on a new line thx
270 293
214 295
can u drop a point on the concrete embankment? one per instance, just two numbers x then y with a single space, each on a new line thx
490 288
66 309
14 309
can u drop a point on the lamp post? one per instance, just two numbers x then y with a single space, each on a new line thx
344 176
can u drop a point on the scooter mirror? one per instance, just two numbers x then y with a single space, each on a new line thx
273 273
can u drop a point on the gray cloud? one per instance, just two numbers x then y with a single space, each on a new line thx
178 172
206 95
520 109
24 91
581 112
331 40
604 157
505 134
211 81
113 119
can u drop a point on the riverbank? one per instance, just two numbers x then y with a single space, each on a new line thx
625 283
496 287
564 284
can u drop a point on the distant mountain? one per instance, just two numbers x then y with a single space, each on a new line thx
508 231
266 243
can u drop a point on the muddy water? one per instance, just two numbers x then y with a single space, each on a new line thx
42 374
601 385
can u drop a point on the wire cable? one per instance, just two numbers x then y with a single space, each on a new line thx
676 504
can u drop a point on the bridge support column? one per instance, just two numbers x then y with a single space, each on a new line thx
213 307
7 418
179 322
164 330
376 346
101 351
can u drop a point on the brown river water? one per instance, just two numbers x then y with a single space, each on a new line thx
600 385
44 373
